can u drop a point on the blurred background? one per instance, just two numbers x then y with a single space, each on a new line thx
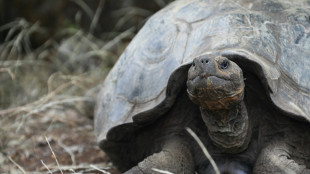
54 54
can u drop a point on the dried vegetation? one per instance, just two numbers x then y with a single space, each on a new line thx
47 90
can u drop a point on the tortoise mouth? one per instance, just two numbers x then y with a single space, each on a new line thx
210 87
214 92
223 103
204 75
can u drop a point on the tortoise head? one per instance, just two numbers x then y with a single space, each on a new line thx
215 82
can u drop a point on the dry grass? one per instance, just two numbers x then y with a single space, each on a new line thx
204 150
47 93
49 87
39 86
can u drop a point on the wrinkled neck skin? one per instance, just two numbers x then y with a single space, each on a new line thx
228 129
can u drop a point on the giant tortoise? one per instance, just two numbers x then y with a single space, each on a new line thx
236 72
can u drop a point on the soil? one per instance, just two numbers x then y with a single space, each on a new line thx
71 139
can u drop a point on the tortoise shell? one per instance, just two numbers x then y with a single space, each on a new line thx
271 36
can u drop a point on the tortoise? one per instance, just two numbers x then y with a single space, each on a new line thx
235 72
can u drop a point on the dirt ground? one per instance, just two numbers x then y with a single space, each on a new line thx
71 140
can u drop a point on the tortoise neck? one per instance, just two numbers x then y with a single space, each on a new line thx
228 129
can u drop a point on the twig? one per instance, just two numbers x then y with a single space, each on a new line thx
204 149
58 102
94 22
53 154
9 71
18 63
85 7
72 171
49 105
78 167
67 150
43 99
9 25
131 11
161 171
96 168
160 3
17 165
46 167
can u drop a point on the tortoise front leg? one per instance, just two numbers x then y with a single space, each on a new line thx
277 158
175 157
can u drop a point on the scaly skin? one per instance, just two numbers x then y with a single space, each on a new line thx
216 85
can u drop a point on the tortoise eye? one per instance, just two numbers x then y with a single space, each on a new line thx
193 64
224 64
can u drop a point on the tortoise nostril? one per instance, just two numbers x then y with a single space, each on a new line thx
204 61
